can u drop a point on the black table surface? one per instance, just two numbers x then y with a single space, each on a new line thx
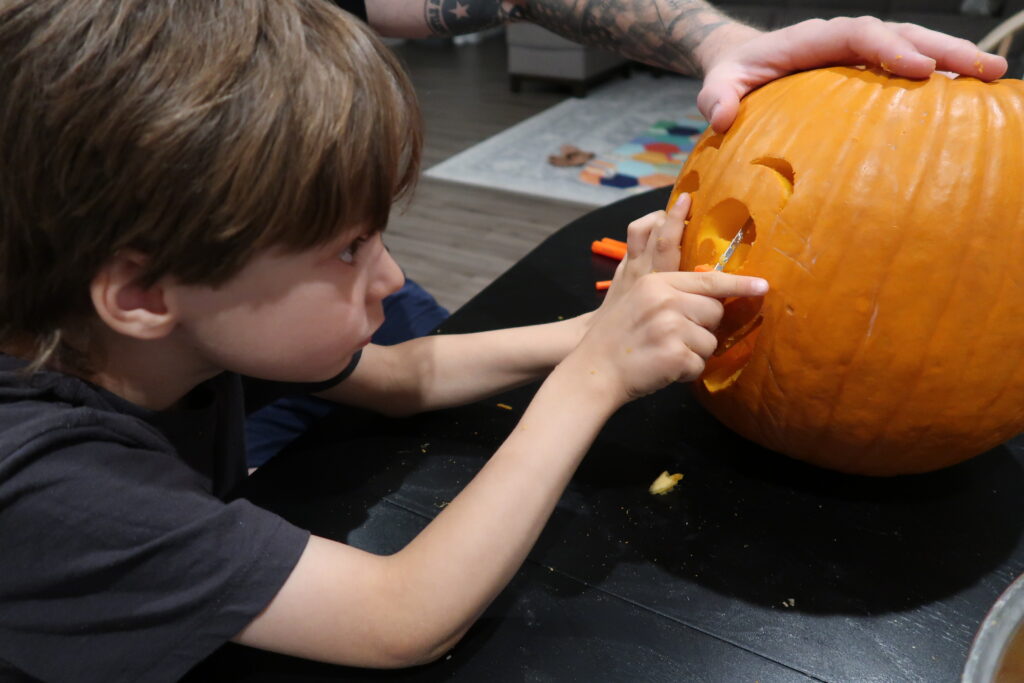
754 568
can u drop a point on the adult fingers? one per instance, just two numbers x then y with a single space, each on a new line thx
950 54
907 50
719 97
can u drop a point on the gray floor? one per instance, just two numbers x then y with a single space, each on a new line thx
455 239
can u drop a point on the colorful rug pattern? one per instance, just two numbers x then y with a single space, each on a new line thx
638 128
650 160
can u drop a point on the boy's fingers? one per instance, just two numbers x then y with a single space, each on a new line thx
639 232
667 235
704 311
717 284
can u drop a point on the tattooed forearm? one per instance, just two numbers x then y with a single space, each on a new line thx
452 17
664 33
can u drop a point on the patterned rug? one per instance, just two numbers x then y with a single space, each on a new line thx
640 129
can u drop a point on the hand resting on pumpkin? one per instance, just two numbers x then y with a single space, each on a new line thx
738 59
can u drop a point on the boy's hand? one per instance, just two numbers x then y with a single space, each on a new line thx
735 62
655 326
652 246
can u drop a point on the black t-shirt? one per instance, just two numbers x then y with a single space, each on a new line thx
124 554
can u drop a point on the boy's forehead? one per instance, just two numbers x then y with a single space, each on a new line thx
352 232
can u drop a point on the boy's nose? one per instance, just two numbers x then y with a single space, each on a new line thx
390 277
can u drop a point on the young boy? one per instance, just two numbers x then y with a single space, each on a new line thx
192 192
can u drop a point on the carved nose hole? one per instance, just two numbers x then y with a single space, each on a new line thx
718 228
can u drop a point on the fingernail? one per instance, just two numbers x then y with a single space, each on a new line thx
759 285
714 108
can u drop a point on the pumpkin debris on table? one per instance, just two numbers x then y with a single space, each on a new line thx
664 483
887 216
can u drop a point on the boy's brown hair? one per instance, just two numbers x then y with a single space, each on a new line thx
195 131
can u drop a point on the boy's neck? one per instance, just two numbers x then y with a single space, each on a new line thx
153 374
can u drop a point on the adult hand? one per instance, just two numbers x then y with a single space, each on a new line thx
743 60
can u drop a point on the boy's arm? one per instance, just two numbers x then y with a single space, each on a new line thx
692 37
439 371
347 606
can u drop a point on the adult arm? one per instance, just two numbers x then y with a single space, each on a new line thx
692 37
666 33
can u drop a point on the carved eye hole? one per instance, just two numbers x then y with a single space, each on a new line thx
784 170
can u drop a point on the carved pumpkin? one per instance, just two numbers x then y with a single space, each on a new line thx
888 216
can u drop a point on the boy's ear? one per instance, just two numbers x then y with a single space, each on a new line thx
124 305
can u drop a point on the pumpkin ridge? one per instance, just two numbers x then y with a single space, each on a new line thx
775 422
1008 278
982 188
916 183
839 164
953 289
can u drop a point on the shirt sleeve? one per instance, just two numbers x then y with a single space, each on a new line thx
120 566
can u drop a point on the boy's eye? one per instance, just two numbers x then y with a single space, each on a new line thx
348 255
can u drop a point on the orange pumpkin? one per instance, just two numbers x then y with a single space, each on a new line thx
888 216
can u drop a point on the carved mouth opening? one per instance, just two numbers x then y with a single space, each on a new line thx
725 367
741 320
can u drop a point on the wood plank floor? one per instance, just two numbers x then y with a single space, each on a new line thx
455 239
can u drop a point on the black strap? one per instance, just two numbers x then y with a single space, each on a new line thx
260 392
